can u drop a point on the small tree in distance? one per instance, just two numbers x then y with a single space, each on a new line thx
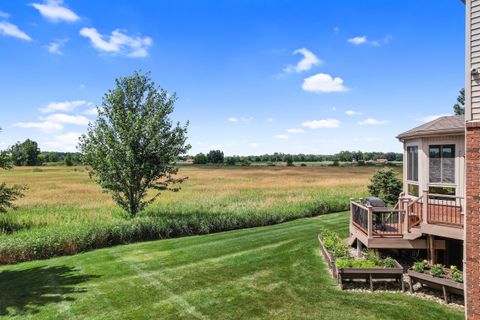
215 156
200 158
386 185
132 146
8 194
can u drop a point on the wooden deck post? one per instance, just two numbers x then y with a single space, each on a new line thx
370 221
425 206
406 213
431 249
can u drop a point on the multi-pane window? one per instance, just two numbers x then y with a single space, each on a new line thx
412 163
442 163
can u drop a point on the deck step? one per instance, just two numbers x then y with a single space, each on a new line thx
413 234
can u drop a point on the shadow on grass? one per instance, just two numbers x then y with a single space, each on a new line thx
26 291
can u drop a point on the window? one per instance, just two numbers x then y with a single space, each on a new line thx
412 163
413 190
449 191
442 164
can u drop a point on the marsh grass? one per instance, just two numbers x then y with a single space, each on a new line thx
64 212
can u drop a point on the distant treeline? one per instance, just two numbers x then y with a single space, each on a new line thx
28 153
217 157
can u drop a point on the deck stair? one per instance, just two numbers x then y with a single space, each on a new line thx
413 234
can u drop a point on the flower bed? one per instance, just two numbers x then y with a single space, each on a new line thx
437 276
345 267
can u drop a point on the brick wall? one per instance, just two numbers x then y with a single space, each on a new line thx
472 219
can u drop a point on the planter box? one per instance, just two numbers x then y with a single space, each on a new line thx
372 273
362 273
328 258
448 286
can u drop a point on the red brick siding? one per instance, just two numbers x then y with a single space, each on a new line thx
472 225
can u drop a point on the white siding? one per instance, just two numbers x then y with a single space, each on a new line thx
472 92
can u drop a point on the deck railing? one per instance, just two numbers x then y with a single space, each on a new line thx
376 222
445 210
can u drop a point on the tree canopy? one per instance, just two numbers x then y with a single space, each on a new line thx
132 146
8 194
459 106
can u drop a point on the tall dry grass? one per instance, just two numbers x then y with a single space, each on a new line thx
65 212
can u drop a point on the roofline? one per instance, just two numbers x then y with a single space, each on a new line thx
429 133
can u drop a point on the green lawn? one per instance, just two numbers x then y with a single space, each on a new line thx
267 272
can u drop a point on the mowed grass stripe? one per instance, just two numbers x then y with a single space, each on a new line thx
258 273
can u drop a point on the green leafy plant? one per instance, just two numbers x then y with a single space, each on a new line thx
389 262
343 263
373 256
457 275
419 266
436 270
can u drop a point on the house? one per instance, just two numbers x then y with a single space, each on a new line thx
439 210
429 215
383 161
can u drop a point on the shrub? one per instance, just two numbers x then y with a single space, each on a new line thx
343 263
374 257
419 266
436 270
389 262
457 275
303 164
386 185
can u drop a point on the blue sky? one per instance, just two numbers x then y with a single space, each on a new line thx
251 76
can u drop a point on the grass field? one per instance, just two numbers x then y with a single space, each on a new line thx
258 273
64 212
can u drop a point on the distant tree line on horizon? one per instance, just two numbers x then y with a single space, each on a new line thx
27 153
218 157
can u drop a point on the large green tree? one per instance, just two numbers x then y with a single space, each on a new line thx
8 194
132 146
25 153
459 106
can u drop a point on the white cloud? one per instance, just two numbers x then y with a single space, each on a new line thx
241 119
372 122
295 130
358 40
322 123
254 145
11 30
432 117
364 40
67 119
309 60
281 136
63 142
352 113
56 46
64 106
91 112
4 14
54 11
323 83
118 43
45 126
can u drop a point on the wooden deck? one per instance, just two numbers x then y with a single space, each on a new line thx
434 214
